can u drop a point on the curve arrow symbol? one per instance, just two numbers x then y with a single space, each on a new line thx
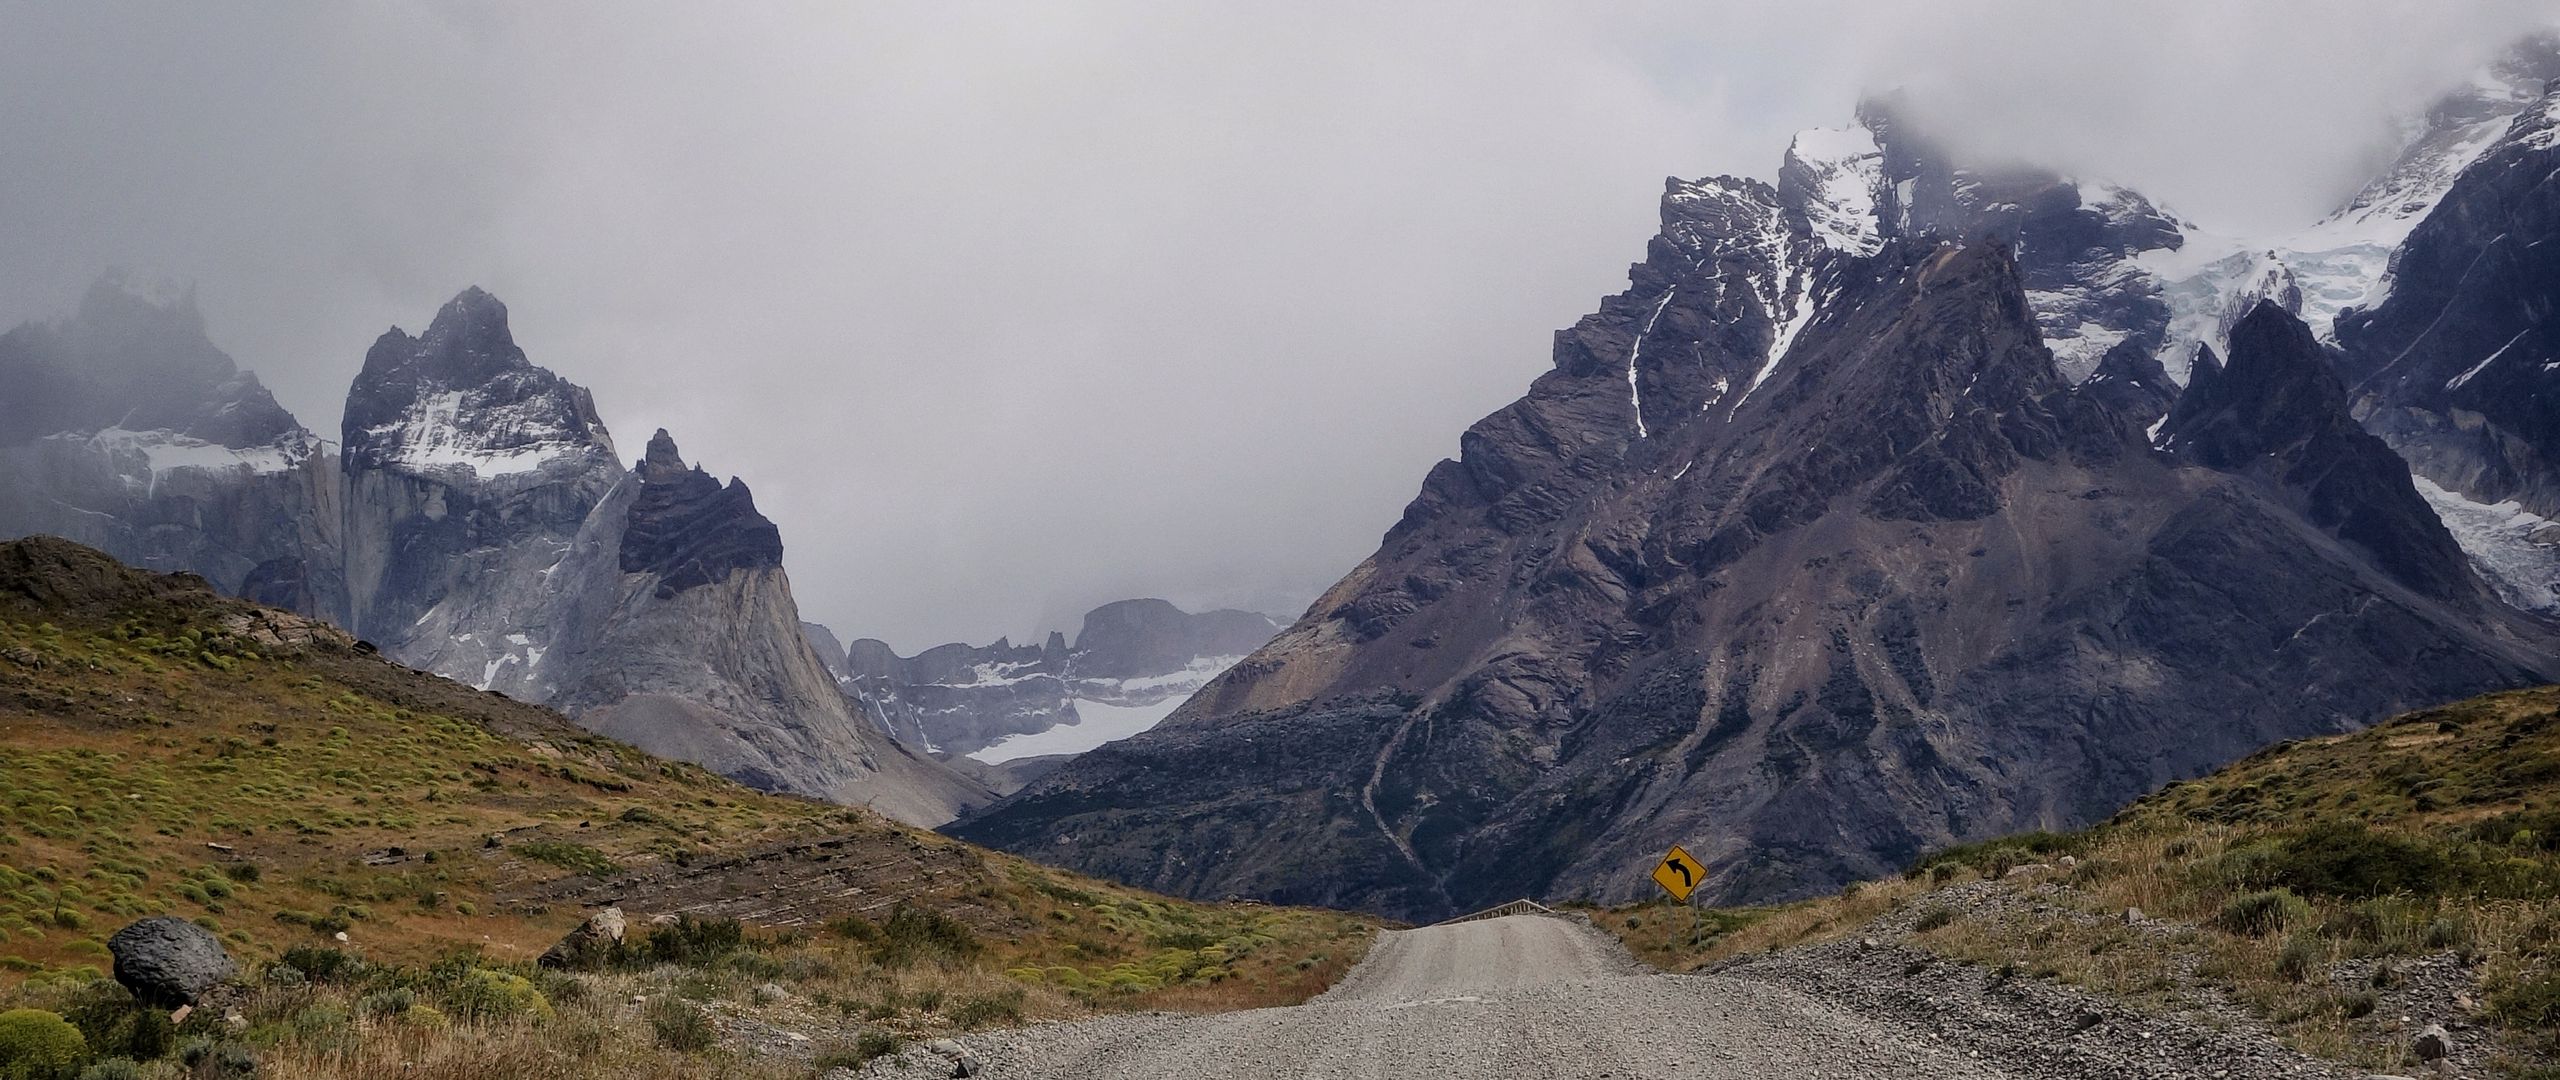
1687 881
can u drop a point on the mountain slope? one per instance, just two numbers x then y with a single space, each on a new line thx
1809 555
701 658
387 832
126 428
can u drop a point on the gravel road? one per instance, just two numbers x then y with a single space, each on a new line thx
1522 996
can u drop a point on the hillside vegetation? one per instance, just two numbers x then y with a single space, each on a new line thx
2348 890
386 853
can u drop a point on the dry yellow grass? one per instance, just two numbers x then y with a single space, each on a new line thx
2434 835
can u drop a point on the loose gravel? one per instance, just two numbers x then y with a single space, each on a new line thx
1538 996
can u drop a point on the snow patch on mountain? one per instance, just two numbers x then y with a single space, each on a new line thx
2517 550
1844 170
1108 710
501 440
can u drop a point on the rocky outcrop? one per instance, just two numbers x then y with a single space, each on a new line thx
688 529
701 657
126 429
169 962
484 504
1132 663
1809 555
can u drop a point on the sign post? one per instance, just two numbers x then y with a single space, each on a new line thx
1679 873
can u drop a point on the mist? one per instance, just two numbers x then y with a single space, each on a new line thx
1005 311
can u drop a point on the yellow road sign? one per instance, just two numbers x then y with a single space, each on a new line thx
1679 873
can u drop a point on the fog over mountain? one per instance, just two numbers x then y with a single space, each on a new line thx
1012 311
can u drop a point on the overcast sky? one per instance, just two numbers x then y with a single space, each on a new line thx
1006 310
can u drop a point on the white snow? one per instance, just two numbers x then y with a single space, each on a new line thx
431 436
1099 722
2345 260
146 457
1847 169
2516 550
2456 382
1095 725
1635 399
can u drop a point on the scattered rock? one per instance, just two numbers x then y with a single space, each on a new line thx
589 942
963 1063
2133 916
340 937
169 962
2030 868
22 656
2432 1044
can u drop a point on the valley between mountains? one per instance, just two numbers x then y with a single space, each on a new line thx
2074 644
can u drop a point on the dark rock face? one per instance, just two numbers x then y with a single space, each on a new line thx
1807 555
1133 638
700 654
2454 366
689 529
167 961
2279 407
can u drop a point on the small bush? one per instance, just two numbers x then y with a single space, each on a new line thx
38 1045
485 995
2347 859
115 1025
682 1025
323 965
866 1046
1932 918
912 934
2259 914
694 941
2302 954
113 1069
1005 1008
2529 1004
385 1003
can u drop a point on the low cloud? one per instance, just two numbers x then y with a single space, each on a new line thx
1008 310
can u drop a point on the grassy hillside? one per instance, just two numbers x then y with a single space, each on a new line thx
166 750
2330 886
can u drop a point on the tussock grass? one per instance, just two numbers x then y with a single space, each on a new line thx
152 763
2435 834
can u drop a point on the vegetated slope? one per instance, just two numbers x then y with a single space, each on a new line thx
164 749
2350 889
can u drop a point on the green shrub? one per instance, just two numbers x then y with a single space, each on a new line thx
485 995
694 941
2348 859
682 1025
2529 1004
912 934
383 1003
1005 1008
866 1046
1933 917
323 965
38 1045
115 1025
113 1069
2258 914
2302 954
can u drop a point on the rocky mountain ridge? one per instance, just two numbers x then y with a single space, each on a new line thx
1868 519
1131 663
476 522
